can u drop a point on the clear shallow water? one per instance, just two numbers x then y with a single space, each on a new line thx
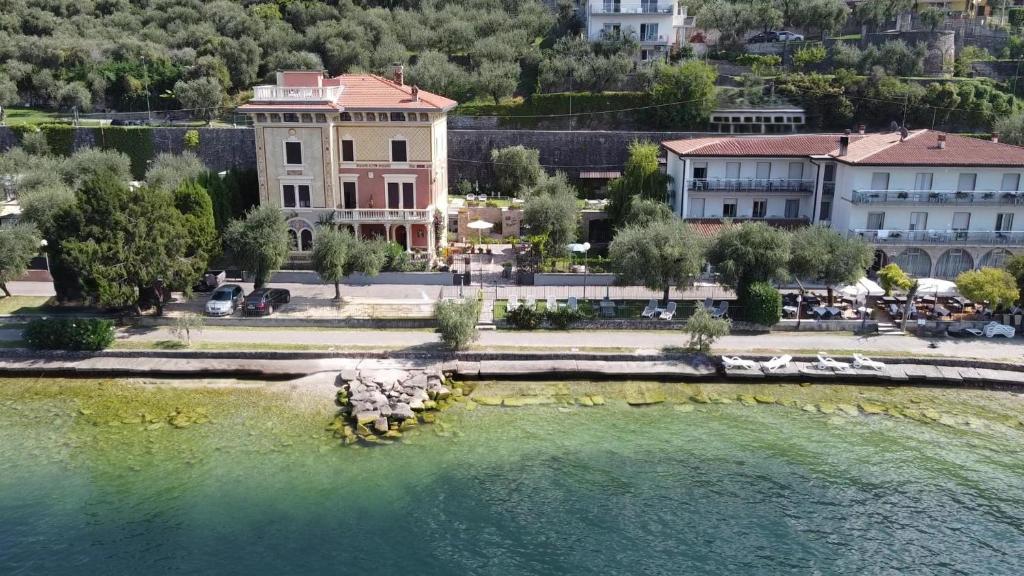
723 489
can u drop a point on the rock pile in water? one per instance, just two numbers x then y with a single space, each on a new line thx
379 405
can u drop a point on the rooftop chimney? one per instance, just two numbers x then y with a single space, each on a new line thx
942 142
844 144
995 137
398 74
861 128
415 93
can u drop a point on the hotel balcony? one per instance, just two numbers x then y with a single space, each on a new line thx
758 185
962 237
949 197
384 215
274 93
633 8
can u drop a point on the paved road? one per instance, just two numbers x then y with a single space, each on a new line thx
599 340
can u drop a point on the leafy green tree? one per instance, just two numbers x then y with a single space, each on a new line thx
259 242
497 79
516 169
1015 266
892 277
551 209
643 211
8 91
18 245
731 19
808 57
169 171
704 330
202 96
435 73
762 304
823 255
750 252
642 177
331 254
196 207
34 142
685 93
825 16
658 256
91 163
930 18
121 241
1011 128
993 285
877 13
456 321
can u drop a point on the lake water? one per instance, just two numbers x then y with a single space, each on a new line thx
86 487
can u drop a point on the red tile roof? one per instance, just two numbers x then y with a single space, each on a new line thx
761 146
710 227
360 92
920 148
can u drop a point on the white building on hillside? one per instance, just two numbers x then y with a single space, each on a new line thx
935 204
658 25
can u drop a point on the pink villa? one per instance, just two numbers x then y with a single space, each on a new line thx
358 150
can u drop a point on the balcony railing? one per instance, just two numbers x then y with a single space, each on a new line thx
274 93
384 215
632 8
766 185
936 197
966 237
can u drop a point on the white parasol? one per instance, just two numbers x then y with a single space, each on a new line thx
480 226
936 287
864 287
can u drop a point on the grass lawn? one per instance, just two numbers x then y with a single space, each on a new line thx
28 116
240 346
24 304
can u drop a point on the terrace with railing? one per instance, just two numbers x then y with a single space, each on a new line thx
274 93
964 237
365 215
633 8
759 185
952 197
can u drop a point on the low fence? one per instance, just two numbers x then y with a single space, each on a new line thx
567 279
403 278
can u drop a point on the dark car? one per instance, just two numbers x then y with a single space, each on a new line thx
263 301
761 37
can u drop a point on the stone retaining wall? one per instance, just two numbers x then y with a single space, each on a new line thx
559 279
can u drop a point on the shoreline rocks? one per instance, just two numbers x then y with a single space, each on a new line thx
377 406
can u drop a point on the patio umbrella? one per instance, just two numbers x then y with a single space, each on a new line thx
863 287
480 226
937 287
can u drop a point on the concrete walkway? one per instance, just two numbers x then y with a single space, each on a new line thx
591 340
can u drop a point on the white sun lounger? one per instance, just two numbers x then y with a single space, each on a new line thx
531 303
993 329
573 304
669 312
777 363
652 307
826 363
865 362
512 303
734 362
552 304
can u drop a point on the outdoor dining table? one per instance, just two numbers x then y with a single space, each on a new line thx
940 311
791 311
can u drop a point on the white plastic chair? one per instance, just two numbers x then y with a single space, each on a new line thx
865 362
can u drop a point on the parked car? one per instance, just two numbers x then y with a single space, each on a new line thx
762 37
263 301
225 300
787 36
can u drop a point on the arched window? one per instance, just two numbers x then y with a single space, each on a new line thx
995 258
915 262
953 262
307 239
293 240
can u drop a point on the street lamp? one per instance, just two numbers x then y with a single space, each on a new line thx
584 248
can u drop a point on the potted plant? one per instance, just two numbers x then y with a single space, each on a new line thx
961 194
902 195
988 195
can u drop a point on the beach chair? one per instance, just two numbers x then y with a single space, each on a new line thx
652 307
865 362
573 304
828 363
993 329
735 362
709 304
669 312
721 311
777 363
552 304
512 304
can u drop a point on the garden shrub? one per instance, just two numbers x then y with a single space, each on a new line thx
762 304
524 318
563 318
60 137
191 139
91 334
1016 17
134 142
456 321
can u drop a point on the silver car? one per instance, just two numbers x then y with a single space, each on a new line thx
225 300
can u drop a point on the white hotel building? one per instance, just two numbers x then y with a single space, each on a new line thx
657 24
935 204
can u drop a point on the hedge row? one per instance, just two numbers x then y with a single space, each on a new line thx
91 334
134 142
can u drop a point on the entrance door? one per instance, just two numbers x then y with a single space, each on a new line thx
401 237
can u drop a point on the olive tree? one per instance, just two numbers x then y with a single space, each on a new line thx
750 252
331 255
18 245
203 96
169 171
993 285
258 242
704 329
516 168
551 210
659 255
456 321
822 255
